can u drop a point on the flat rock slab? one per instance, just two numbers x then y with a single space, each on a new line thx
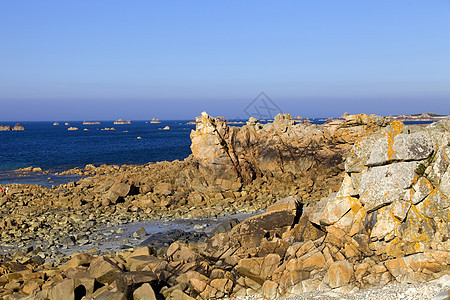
385 184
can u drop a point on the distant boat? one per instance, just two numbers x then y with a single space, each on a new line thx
155 121
122 122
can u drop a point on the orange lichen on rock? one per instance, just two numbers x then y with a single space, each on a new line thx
397 128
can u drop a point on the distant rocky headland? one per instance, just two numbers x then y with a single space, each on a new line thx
424 117
357 202
91 123
155 121
16 127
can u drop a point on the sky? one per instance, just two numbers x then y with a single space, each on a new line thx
108 59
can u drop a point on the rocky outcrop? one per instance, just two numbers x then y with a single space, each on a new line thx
395 191
17 127
231 156
5 128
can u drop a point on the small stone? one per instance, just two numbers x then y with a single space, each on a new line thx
339 274
141 232
145 292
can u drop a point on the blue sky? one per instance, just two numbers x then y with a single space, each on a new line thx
108 59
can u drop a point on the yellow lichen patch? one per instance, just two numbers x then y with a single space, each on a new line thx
358 222
419 247
390 149
418 227
397 126
394 248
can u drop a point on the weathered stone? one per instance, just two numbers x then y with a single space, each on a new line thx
288 204
103 270
225 226
31 286
144 292
444 185
107 295
400 209
339 274
80 259
179 252
423 188
251 231
335 209
128 281
304 230
291 279
347 188
435 205
268 266
63 290
120 188
386 223
313 261
179 295
251 267
414 268
402 147
270 289
163 188
385 184
360 152
141 232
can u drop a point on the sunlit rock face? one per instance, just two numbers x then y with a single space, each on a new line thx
296 153
398 179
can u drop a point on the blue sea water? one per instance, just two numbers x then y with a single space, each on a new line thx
55 148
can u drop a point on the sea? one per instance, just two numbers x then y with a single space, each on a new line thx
55 148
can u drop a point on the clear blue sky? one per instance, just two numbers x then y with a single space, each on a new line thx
107 59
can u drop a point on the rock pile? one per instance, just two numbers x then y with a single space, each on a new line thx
388 222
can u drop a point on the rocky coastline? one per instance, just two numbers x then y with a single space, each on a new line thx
354 203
